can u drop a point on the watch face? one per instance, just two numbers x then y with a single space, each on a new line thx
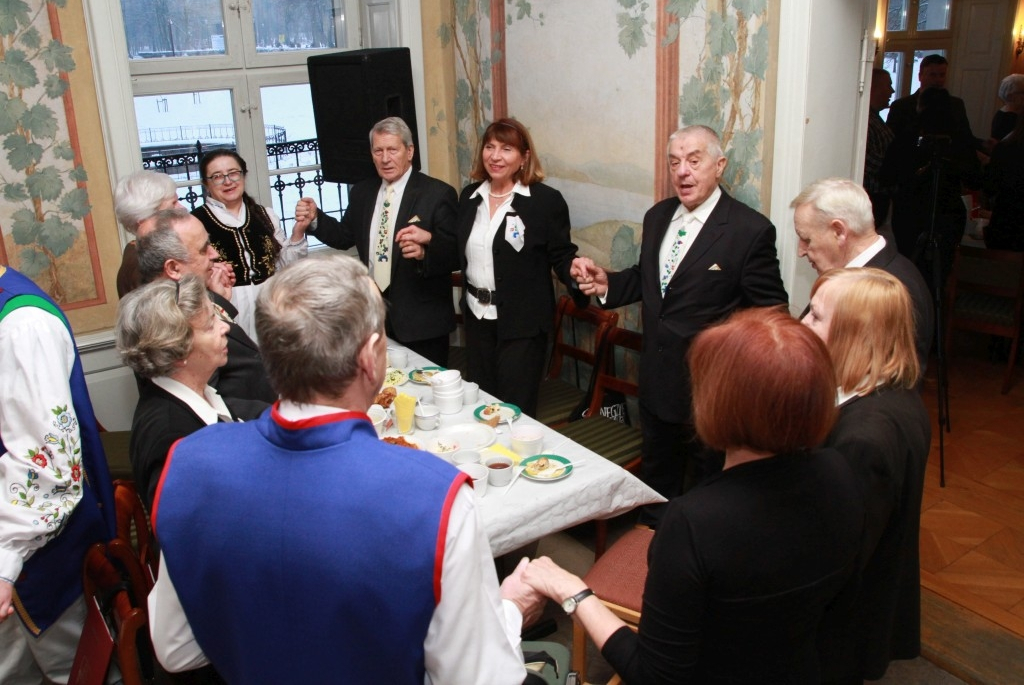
569 605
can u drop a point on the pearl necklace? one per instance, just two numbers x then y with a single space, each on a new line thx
498 197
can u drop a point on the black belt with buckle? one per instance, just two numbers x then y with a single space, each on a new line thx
484 295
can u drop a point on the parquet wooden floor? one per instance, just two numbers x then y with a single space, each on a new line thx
972 530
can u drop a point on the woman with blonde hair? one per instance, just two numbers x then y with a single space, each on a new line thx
865 318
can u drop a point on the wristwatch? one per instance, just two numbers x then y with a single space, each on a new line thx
569 605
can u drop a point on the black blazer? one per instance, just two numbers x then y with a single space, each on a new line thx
160 420
524 292
732 264
420 295
891 261
885 437
243 376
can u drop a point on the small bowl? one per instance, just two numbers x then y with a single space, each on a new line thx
527 441
466 457
478 472
427 416
449 405
444 448
447 378
499 471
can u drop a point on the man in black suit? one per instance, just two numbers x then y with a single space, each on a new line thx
178 244
835 229
703 255
397 223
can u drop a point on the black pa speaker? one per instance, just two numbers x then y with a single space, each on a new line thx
351 92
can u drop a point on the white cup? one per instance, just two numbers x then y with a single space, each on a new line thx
449 405
478 472
398 358
499 471
470 392
428 417
527 441
466 457
379 416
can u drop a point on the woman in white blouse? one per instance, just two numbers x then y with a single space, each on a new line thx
249 237
169 334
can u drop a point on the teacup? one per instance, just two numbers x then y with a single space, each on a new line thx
499 471
470 392
398 358
379 416
428 417
466 457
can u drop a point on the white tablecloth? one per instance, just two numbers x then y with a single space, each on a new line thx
530 510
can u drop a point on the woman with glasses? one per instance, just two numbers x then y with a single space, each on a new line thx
169 334
249 237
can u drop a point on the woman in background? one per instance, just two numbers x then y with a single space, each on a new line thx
742 566
248 236
513 231
137 198
865 318
169 334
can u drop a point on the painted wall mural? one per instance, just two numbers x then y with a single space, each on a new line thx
45 221
590 80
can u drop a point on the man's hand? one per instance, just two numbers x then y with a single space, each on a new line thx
592 279
305 212
221 280
413 241
7 600
529 602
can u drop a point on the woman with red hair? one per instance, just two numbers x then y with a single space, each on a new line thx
743 565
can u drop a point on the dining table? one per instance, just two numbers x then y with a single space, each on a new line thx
527 510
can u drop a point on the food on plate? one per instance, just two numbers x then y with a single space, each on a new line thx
492 409
493 421
423 375
394 377
446 446
386 396
545 468
400 441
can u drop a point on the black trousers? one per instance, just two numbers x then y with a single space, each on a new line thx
511 370
671 461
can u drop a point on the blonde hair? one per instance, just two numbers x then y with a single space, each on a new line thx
871 332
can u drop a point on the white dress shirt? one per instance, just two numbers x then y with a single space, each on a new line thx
209 406
40 433
679 219
473 635
864 257
479 255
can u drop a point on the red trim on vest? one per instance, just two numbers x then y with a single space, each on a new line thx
160 483
442 530
313 422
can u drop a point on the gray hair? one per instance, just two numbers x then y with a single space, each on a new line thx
714 143
161 244
839 198
1014 83
153 324
312 318
395 126
138 196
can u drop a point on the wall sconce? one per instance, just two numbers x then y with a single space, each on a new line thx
1019 45
878 40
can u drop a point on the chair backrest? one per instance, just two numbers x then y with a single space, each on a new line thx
115 614
618 339
986 292
133 531
580 348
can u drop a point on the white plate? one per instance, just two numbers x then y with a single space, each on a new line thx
470 436
395 377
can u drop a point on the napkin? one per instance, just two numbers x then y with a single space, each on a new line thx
499 450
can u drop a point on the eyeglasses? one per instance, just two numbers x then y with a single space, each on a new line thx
220 179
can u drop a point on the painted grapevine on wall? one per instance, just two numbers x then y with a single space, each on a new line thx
42 182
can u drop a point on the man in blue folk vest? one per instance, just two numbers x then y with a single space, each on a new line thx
300 548
56 491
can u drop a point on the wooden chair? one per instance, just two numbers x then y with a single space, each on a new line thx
557 397
115 616
618 579
134 535
612 440
985 294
